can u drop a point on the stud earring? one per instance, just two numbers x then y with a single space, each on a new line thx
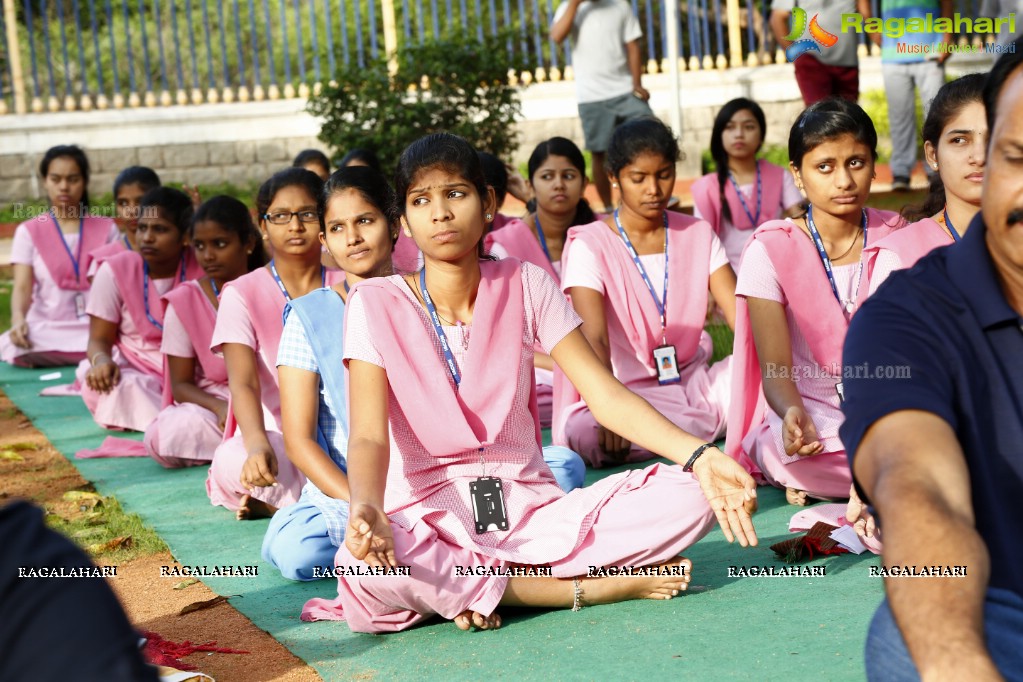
249 252
489 216
266 236
615 185
935 166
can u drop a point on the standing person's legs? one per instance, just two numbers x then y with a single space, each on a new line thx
929 76
813 79
598 121
846 82
898 87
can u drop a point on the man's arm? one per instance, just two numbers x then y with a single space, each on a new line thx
563 26
779 22
912 468
635 55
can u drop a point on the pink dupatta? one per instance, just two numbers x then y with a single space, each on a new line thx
802 278
909 244
707 197
520 242
199 317
689 244
52 249
414 372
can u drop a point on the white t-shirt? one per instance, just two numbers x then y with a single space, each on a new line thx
600 32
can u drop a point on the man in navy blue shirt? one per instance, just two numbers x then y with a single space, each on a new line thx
939 454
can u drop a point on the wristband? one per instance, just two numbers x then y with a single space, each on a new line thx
92 360
696 455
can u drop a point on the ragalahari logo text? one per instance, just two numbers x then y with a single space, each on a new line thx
818 36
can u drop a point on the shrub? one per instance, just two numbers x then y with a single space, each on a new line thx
468 94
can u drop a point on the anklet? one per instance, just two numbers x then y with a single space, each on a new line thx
577 596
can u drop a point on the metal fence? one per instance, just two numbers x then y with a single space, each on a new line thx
80 54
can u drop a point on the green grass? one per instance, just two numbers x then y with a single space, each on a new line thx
103 523
5 304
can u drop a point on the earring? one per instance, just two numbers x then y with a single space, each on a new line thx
249 252
615 185
935 166
266 236
489 217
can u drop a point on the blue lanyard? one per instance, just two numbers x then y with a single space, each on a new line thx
74 260
753 217
819 243
663 301
347 288
127 244
951 227
449 357
542 238
216 289
284 290
145 290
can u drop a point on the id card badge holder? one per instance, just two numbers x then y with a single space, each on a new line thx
840 390
488 510
80 304
666 363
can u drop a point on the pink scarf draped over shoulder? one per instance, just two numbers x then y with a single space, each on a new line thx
689 246
802 278
706 193
474 414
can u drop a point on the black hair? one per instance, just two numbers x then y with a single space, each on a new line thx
560 146
366 156
717 147
639 136
307 156
144 177
76 154
233 216
438 150
496 174
371 184
996 77
949 101
175 205
826 120
289 177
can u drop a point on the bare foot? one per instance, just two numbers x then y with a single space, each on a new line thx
667 583
468 620
251 508
797 497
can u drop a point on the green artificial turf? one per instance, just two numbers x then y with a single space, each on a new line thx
725 628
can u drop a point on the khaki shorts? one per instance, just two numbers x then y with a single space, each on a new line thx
600 119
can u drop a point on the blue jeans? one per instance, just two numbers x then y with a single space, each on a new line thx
888 659
568 467
901 82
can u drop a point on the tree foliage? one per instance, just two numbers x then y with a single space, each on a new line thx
467 94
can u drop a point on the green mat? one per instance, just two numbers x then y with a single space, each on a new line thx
725 628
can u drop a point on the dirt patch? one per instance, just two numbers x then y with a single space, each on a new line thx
31 468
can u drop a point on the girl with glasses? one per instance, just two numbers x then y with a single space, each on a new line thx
250 474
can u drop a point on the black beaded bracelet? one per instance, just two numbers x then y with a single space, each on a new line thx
696 456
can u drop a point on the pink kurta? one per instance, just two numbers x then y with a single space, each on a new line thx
435 454
186 434
406 254
106 252
515 238
595 257
903 248
781 264
779 192
117 297
59 336
251 314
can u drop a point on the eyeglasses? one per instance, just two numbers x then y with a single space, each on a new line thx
284 217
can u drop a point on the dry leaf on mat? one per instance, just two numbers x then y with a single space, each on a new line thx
200 605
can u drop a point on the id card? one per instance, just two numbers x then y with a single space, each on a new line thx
488 509
667 365
80 304
840 390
